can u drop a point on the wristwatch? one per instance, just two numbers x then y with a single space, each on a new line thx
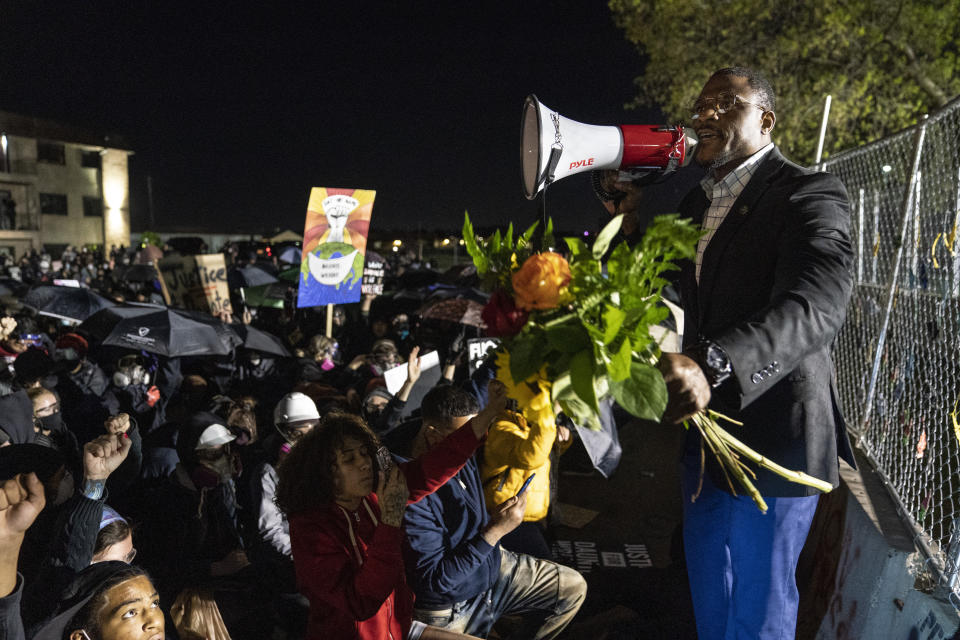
713 360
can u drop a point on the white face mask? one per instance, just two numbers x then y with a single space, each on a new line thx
132 375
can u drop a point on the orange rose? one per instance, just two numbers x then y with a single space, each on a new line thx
541 282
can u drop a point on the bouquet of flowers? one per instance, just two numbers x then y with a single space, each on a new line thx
574 331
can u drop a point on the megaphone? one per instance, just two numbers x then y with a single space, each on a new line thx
554 147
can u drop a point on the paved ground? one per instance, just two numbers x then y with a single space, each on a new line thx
631 551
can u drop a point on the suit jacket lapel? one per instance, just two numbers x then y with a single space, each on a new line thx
741 211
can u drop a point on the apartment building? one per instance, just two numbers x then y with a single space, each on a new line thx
60 185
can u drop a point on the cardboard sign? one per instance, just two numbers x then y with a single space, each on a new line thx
373 272
477 349
196 283
334 245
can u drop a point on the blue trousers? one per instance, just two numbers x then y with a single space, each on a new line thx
741 562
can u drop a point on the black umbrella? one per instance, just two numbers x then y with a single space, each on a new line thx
259 340
67 303
139 273
164 331
253 276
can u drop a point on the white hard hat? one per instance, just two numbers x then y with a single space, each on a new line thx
214 436
295 407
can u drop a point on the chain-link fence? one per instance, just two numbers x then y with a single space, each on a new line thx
898 355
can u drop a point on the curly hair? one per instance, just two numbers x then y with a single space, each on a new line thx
306 475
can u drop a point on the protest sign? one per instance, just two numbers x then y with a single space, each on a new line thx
430 375
477 349
334 244
373 272
196 283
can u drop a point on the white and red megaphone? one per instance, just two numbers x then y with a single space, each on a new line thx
554 147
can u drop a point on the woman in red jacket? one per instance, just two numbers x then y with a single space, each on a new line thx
346 538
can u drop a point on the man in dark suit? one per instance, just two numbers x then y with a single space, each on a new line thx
763 302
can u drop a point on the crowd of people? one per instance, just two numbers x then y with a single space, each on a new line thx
254 496
261 496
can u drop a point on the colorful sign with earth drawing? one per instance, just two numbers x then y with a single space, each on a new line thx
334 244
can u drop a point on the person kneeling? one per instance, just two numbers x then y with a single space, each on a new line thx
346 514
463 579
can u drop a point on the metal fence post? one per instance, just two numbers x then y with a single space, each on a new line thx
894 279
951 570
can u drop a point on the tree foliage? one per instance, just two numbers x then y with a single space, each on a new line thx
885 62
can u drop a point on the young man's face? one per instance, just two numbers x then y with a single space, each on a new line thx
132 612
726 140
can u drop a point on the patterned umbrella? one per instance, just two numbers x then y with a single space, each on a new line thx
454 310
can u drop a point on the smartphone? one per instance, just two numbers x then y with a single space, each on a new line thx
526 483
384 460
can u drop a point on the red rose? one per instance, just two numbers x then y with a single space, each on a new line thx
502 316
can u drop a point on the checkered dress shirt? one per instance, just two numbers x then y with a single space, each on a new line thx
722 195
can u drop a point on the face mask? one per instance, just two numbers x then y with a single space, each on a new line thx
132 375
52 422
222 466
255 361
66 354
327 364
371 414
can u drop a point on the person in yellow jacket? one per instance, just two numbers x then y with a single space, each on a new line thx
515 450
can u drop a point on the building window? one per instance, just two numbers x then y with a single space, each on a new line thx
53 204
90 159
92 207
51 153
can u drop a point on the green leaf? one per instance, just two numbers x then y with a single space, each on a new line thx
581 378
643 393
562 392
525 238
568 337
619 367
508 242
495 242
480 260
526 355
606 236
612 321
577 247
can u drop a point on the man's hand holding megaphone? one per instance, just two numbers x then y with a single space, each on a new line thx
620 196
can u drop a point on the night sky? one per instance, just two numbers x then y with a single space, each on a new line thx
236 112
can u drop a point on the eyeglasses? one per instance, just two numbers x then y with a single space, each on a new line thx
48 410
720 104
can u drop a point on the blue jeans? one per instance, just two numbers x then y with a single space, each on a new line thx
545 594
742 563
